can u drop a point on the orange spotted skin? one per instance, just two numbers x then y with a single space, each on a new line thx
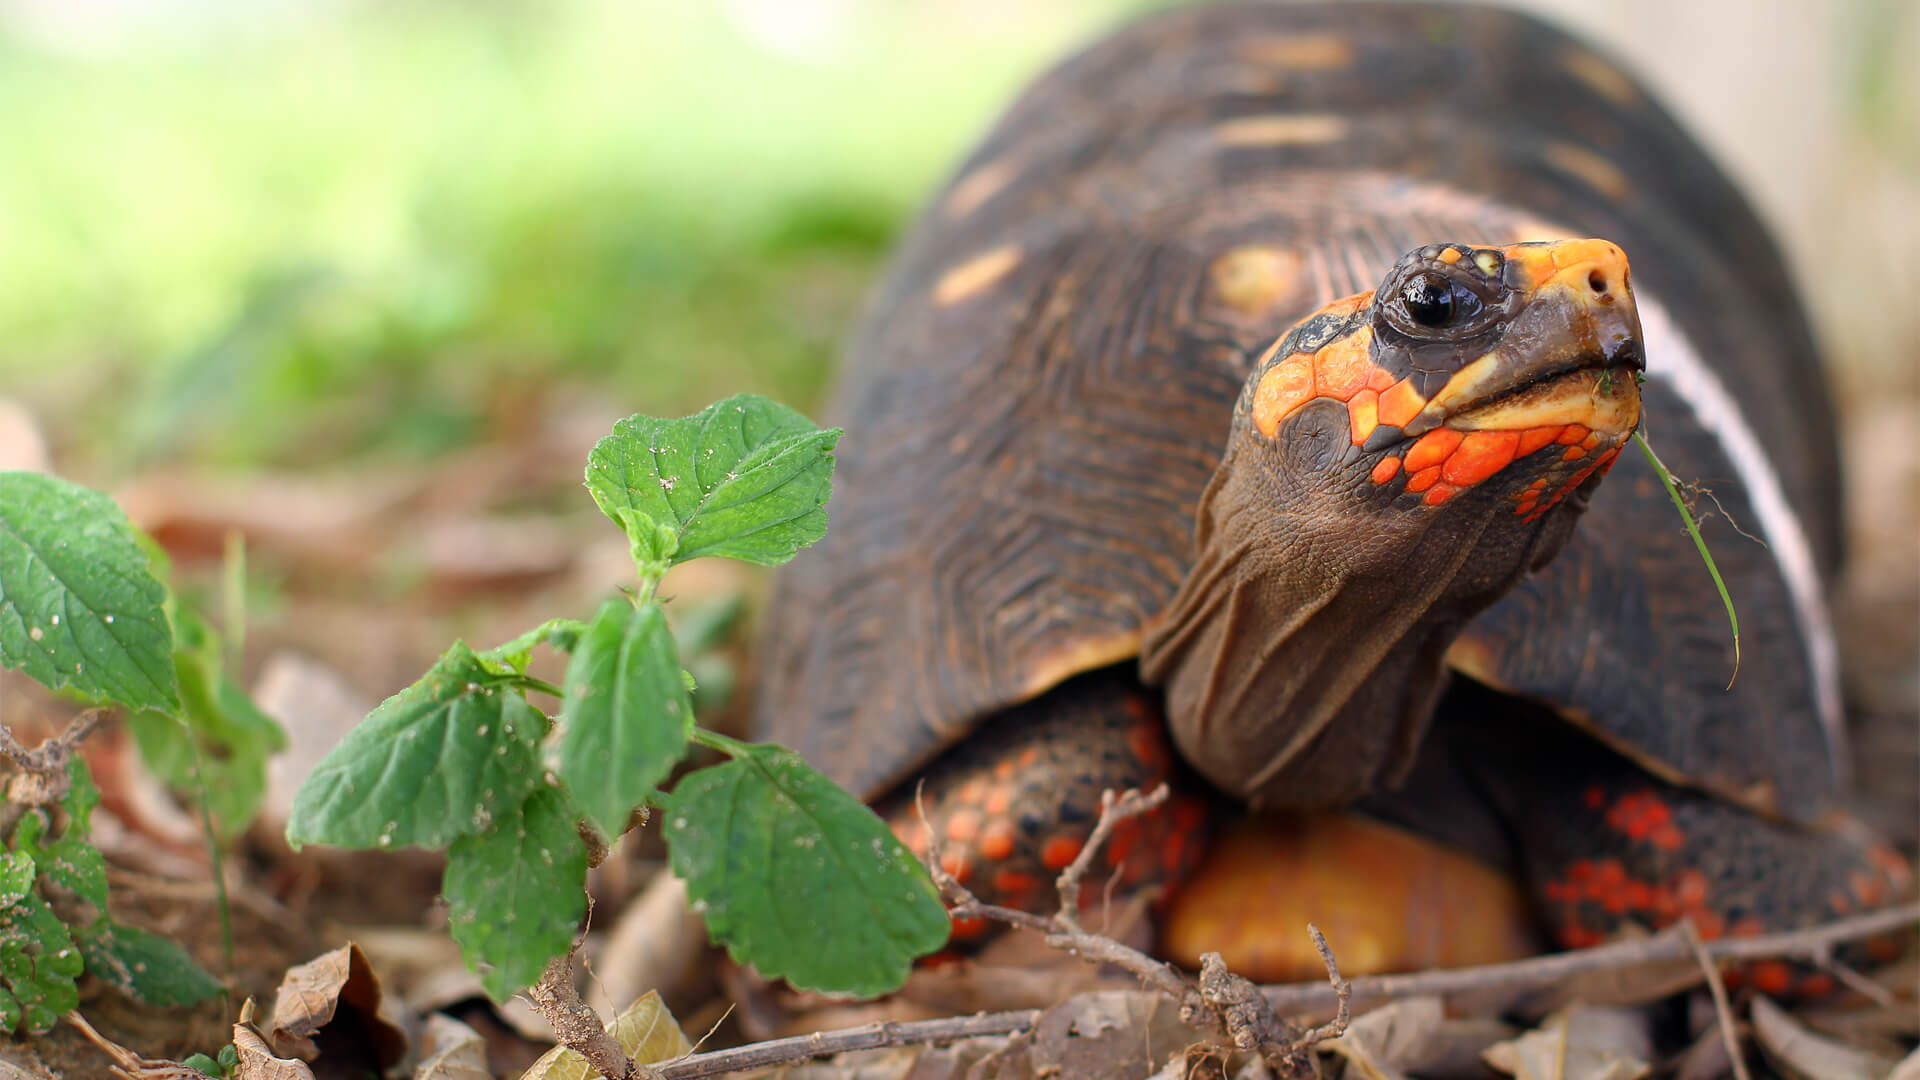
1609 847
1014 807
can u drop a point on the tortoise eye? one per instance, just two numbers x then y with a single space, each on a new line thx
1429 299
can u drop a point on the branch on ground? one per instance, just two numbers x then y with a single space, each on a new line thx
42 779
1229 1006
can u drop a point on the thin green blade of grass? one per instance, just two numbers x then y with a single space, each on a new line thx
1693 530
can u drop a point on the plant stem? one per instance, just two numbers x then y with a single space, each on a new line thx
727 745
1673 492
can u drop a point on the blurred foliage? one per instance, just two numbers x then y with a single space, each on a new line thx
298 230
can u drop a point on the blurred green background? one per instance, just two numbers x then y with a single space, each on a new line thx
288 232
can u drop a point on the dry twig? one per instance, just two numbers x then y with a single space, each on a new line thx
1669 946
1718 988
1222 1002
579 1028
42 779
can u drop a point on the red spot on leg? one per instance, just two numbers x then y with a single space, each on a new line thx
969 929
1771 977
1059 852
963 826
997 841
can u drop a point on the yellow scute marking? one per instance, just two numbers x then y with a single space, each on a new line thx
978 186
1252 279
1299 52
1595 171
1282 129
1600 77
1086 654
975 275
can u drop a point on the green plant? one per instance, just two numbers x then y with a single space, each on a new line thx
82 611
798 878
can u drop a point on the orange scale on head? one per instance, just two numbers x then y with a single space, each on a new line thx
1571 434
1400 403
1423 479
1481 454
1342 368
1285 387
1526 507
1534 438
1387 469
1438 494
1380 380
1433 447
1363 414
1592 441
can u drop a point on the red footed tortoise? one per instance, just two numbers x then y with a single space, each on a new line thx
1238 415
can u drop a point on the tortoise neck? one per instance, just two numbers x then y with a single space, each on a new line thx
1304 651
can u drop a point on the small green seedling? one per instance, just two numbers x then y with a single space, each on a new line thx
82 611
797 877
1693 530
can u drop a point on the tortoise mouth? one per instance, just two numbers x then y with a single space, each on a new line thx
1598 392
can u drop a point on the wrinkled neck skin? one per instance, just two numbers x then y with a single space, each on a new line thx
1304 651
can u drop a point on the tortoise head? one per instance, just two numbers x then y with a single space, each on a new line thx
1397 462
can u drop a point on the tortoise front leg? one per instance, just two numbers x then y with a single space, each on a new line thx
1013 805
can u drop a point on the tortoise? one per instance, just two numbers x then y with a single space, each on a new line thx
1237 415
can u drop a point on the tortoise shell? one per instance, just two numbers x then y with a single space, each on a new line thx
1044 385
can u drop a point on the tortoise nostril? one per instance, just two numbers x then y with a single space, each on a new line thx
1597 282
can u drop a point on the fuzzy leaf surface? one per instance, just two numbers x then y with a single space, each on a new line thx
145 965
516 893
746 478
799 878
626 714
445 758
79 607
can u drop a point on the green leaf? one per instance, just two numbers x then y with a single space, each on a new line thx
203 1064
442 759
219 732
73 863
516 893
38 963
626 715
147 966
746 478
79 608
799 878
17 871
82 796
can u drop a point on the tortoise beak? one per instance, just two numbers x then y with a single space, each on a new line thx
1577 318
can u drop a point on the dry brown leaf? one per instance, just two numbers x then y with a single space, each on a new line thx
1579 1043
646 1031
1415 1036
453 1051
316 707
313 993
258 1061
1800 1053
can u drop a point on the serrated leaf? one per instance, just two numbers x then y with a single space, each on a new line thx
38 962
442 759
626 714
17 871
79 608
516 893
147 966
746 478
218 732
799 878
